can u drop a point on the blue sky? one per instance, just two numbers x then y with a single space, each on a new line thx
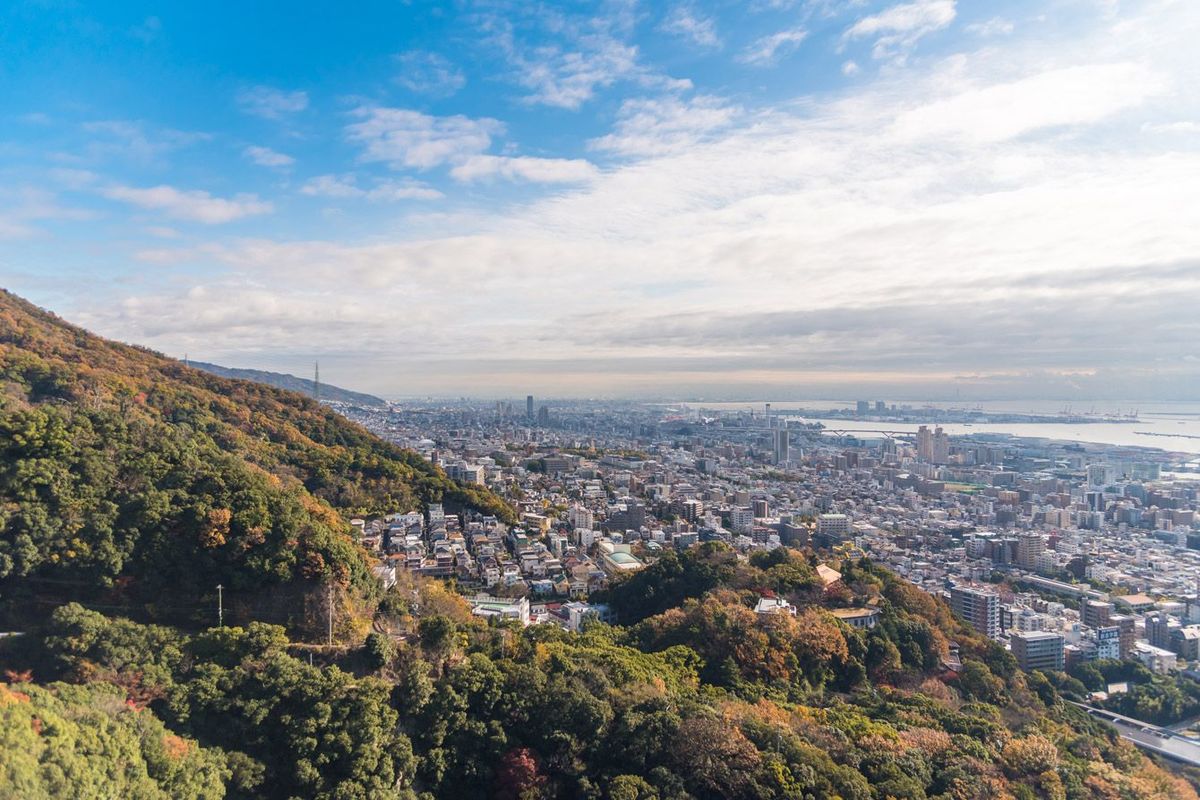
766 197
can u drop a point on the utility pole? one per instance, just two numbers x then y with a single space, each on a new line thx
220 607
330 605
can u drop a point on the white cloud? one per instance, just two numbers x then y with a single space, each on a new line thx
568 79
429 73
996 26
137 141
898 28
769 49
688 23
1180 126
266 157
345 186
271 103
1069 96
193 205
931 221
850 68
524 168
404 138
653 126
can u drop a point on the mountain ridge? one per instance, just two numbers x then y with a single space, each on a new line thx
283 380
135 474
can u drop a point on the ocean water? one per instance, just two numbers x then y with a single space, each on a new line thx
1160 425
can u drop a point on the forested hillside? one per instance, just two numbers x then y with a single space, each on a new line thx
128 472
704 700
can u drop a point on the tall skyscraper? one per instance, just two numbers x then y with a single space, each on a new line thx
529 406
782 456
925 444
941 446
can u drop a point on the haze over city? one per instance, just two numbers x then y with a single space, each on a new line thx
736 200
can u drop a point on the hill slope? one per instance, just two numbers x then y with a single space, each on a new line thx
282 380
123 469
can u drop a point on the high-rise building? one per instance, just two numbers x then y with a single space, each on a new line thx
862 407
529 406
543 417
1038 650
924 444
741 519
979 607
941 446
782 456
1126 637
1029 547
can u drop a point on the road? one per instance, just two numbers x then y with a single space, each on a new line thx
1152 738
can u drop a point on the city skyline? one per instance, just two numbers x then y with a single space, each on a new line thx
801 200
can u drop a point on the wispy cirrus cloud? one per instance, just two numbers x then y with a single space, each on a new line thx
406 138
428 73
190 205
897 29
654 126
271 103
687 22
769 49
346 186
266 157
525 168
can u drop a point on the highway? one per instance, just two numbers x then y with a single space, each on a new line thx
1162 741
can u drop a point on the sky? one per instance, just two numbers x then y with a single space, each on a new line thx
767 199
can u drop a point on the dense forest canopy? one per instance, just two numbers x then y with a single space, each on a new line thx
704 700
121 469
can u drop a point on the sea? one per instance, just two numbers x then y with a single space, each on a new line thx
1170 426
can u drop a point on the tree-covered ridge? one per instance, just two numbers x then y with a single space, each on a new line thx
118 466
704 700
88 742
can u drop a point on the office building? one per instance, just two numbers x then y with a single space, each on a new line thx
1038 650
833 526
529 406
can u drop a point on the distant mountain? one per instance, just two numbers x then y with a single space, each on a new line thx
282 380
128 475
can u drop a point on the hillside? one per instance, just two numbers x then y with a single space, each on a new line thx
292 383
128 473
702 699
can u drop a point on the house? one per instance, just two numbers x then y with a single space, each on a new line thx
830 578
500 608
863 617
774 605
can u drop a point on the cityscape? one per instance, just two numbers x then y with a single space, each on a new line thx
600 400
